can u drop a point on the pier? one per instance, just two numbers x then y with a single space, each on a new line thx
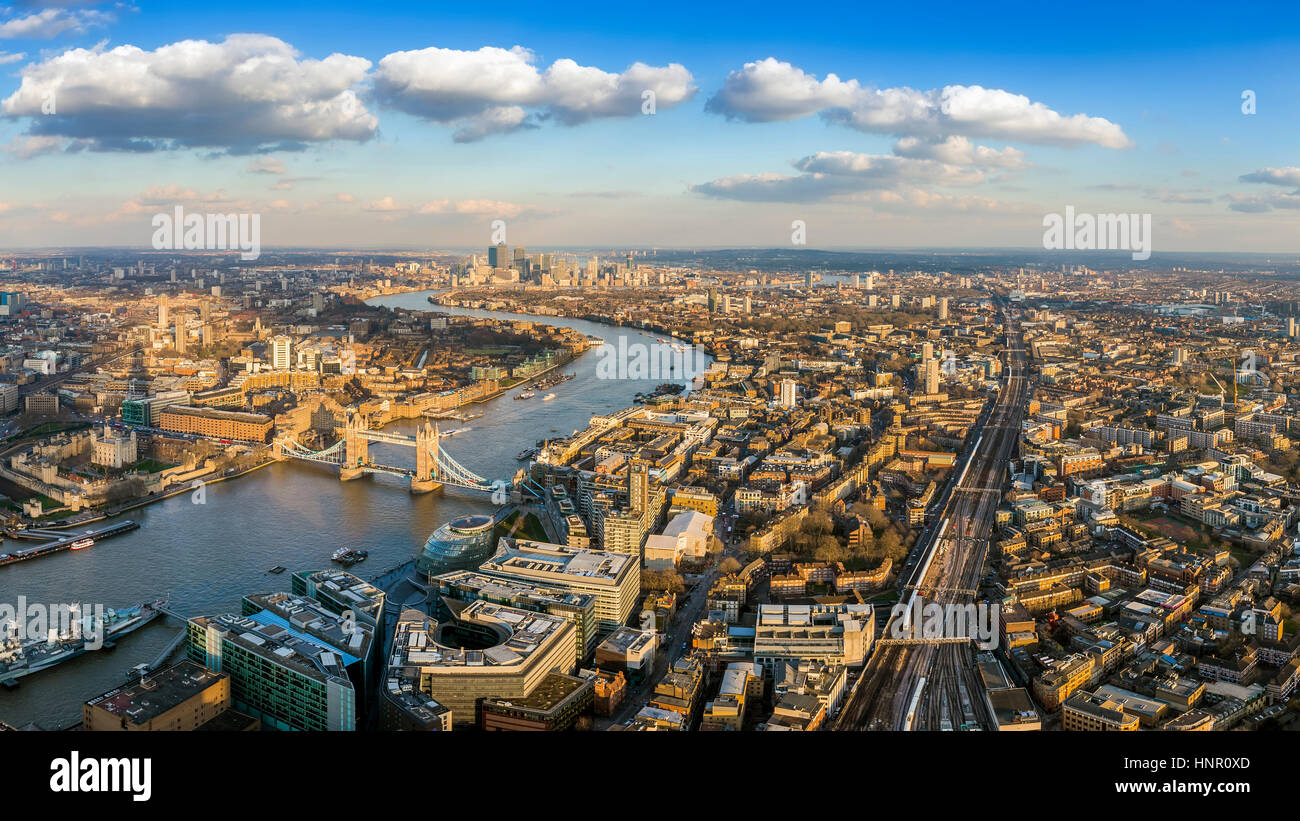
59 540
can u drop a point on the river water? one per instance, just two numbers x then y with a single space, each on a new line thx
295 514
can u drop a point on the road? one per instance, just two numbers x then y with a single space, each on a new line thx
690 610
937 686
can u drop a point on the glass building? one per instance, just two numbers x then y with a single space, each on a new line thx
461 544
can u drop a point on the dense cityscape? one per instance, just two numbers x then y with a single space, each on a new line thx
988 498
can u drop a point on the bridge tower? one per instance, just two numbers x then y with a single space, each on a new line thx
426 460
356 448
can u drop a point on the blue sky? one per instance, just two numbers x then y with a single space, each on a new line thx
1092 105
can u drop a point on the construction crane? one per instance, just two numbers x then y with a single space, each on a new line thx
1224 391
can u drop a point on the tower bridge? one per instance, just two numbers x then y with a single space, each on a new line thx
434 467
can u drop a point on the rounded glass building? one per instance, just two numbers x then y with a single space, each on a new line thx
461 544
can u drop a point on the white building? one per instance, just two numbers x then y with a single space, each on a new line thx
788 393
278 352
835 634
686 536
115 450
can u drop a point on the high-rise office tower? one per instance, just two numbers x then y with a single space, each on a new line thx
278 352
788 393
932 376
638 475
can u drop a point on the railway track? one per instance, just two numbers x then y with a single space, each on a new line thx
937 686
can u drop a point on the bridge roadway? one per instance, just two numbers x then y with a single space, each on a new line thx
937 686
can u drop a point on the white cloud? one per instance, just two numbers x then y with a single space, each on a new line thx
841 188
266 165
914 166
777 187
497 119
1288 176
6 57
1259 204
495 90
386 204
248 93
960 151
886 171
50 23
490 208
393 208
163 195
770 90
24 148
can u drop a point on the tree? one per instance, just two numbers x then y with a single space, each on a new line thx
879 521
891 545
829 549
669 580
818 523
729 565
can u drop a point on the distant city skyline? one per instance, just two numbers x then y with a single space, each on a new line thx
877 128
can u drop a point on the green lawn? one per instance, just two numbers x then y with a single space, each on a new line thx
529 528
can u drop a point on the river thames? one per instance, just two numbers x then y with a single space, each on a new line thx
207 556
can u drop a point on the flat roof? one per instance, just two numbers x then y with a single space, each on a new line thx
552 691
156 693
